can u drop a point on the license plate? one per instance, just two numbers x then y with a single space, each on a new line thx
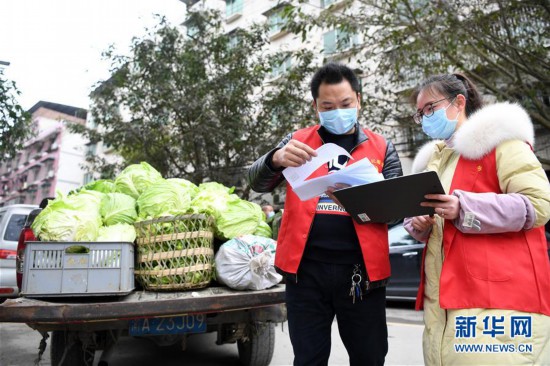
169 325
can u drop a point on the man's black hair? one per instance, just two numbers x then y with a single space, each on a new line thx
333 73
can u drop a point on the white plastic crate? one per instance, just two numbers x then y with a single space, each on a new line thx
50 269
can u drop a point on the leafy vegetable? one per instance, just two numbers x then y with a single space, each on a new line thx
212 199
164 198
192 187
101 185
136 178
77 249
117 232
70 218
118 208
239 218
263 229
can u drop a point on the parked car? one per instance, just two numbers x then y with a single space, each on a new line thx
12 219
405 260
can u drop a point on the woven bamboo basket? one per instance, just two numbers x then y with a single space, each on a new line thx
175 252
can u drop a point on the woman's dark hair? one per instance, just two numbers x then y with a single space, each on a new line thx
451 85
333 73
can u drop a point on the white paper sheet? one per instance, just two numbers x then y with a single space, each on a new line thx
360 172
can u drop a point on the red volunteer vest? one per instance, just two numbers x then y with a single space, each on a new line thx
491 271
298 215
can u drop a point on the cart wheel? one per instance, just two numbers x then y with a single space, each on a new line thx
258 349
67 350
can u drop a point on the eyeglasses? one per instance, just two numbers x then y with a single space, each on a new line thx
427 111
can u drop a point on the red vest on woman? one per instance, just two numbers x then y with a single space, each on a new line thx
298 215
492 271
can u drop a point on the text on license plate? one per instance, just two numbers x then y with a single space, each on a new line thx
170 325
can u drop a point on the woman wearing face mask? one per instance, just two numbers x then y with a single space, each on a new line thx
485 285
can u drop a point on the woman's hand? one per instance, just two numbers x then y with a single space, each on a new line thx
422 223
337 186
294 153
447 206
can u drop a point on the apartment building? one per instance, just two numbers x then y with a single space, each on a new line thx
51 161
328 44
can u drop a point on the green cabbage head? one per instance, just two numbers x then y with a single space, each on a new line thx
136 178
164 198
118 208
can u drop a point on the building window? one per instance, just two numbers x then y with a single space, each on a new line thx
338 40
233 41
281 68
276 22
192 31
32 197
91 150
45 191
233 7
327 3
88 177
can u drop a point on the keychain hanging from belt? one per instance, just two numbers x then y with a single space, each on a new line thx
356 290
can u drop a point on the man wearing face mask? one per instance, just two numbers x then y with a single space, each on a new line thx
333 266
268 211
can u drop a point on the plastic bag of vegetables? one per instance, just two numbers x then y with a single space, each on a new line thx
247 263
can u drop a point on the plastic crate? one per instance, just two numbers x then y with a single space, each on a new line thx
51 270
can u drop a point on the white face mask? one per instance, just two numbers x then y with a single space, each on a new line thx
270 214
438 125
339 121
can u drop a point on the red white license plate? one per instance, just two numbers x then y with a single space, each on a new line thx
169 325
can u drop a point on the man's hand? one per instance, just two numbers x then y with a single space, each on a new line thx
294 154
337 186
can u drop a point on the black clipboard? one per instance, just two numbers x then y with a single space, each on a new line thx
391 199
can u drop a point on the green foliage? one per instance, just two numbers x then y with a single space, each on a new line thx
501 44
15 123
196 107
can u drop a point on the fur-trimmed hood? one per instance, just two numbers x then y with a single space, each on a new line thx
491 126
483 131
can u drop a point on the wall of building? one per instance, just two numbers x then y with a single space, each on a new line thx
70 174
48 162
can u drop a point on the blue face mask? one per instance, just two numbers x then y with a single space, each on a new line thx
438 126
339 121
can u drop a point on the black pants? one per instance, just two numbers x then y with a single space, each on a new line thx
322 292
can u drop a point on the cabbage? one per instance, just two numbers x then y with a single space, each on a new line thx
233 216
239 218
263 229
118 208
117 232
214 187
164 198
136 178
192 187
101 185
70 218
211 202
212 199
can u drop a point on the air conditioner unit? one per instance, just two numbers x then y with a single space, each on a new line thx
50 173
233 17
